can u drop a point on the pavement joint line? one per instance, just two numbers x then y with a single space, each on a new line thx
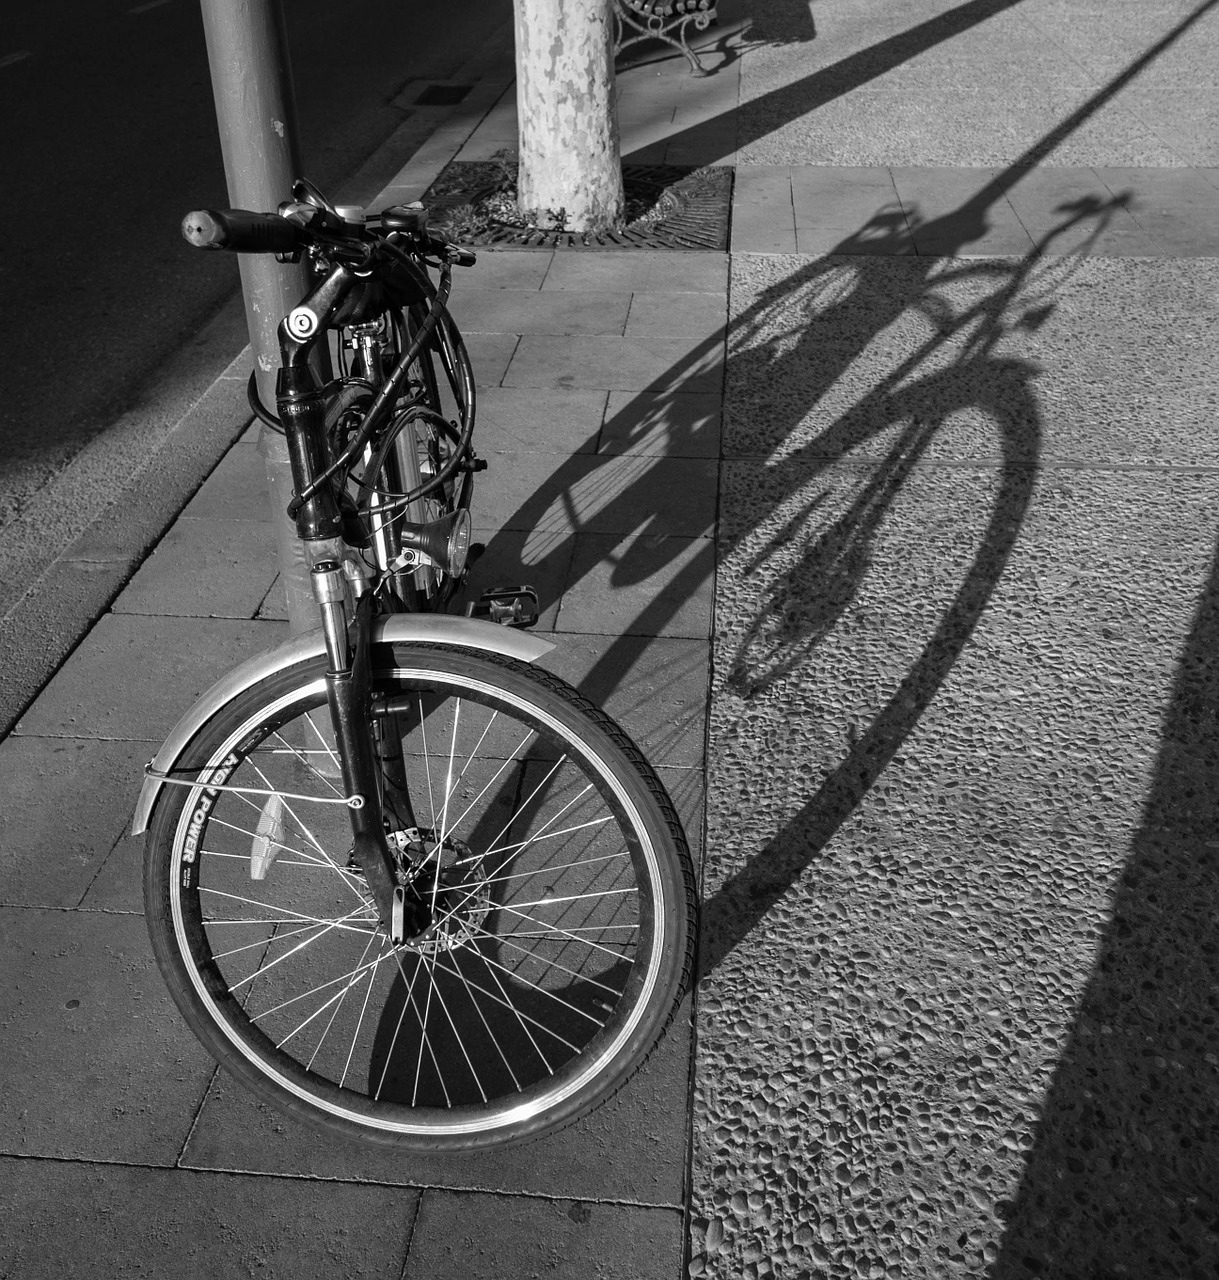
92 911
264 1174
194 1121
608 1202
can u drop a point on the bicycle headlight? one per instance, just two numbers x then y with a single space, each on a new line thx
446 542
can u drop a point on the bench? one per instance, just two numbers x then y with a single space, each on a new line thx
665 20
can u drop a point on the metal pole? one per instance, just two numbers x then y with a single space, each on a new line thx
256 114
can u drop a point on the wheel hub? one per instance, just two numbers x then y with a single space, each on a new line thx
448 877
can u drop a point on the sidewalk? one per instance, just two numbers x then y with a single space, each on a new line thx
889 537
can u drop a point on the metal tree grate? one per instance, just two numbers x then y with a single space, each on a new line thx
670 207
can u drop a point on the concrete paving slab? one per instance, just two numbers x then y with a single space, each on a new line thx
505 310
274 606
884 236
677 425
944 221
66 805
119 882
641 271
616 364
503 269
655 688
468 1237
841 196
677 315
133 677
214 568
545 494
43 629
97 1065
633 1148
645 584
490 355
1053 205
761 183
1178 209
237 489
764 227
519 419
112 1223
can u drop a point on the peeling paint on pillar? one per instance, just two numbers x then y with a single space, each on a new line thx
569 156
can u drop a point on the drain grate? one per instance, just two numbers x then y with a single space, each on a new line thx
672 207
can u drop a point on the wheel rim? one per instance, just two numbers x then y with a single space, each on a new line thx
545 885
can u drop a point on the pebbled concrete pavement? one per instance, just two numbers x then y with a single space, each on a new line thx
889 535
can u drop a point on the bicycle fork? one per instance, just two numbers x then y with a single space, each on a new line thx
404 913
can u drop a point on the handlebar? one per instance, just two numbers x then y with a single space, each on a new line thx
241 231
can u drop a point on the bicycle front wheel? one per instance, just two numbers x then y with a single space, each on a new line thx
560 884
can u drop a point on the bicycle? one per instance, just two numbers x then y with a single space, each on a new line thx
404 884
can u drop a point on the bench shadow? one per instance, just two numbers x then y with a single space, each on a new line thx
733 33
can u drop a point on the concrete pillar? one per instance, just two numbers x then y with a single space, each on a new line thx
256 114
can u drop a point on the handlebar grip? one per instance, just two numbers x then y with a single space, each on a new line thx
241 231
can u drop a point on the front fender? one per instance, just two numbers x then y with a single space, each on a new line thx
397 628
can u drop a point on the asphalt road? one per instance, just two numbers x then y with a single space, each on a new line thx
110 136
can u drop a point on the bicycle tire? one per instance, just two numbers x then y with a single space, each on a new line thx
565 940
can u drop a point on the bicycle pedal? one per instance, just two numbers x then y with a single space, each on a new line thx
510 608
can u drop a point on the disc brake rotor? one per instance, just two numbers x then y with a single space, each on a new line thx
451 879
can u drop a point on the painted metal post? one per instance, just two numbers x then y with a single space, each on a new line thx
256 114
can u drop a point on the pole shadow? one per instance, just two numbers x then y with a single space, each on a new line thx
1123 1175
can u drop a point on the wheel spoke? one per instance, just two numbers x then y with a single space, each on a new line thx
323 930
287 912
244 831
427 762
461 1044
328 749
551 931
527 982
548 965
408 1000
355 1035
554 835
304 995
322 1040
548 869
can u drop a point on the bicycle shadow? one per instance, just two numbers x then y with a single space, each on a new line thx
853 290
